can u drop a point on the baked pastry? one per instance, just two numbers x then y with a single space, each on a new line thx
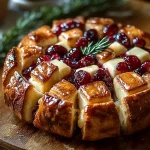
94 74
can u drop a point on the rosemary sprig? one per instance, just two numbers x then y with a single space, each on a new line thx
93 49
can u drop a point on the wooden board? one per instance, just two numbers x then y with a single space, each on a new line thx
17 135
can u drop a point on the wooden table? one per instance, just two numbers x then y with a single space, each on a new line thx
17 135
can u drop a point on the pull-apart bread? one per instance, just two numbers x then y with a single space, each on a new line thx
92 74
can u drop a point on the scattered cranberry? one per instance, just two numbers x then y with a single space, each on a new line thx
43 58
26 73
87 61
123 55
82 42
72 63
55 56
56 49
67 26
91 35
133 62
123 39
110 30
112 38
138 42
74 53
140 71
70 77
82 77
146 66
122 67
100 75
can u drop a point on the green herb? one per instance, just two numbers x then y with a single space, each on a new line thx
34 19
93 49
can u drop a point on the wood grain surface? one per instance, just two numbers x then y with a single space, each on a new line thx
15 134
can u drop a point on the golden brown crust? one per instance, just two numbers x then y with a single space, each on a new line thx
101 121
43 37
44 71
146 77
71 36
15 93
138 111
30 54
105 56
64 90
54 115
95 92
12 63
131 81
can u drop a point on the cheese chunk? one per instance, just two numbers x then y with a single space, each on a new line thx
70 37
64 70
44 76
57 110
90 69
97 112
140 53
117 48
111 66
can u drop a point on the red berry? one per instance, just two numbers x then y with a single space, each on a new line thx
82 77
55 56
82 42
138 42
110 30
72 63
100 75
67 26
122 67
140 71
123 39
111 38
43 58
74 53
87 61
26 73
133 62
146 66
56 49
91 35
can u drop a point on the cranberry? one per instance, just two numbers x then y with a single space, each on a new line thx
74 53
110 30
72 63
56 49
140 71
43 58
87 61
122 67
146 66
123 39
67 26
138 42
82 77
70 77
82 42
26 73
133 62
55 56
112 38
91 35
100 75
123 55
